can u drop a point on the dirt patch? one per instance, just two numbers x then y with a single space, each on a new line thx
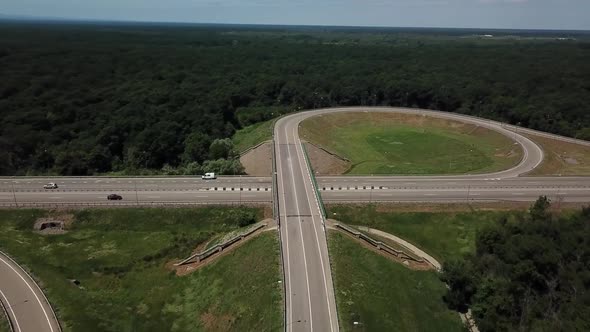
325 163
56 223
213 322
258 161
561 158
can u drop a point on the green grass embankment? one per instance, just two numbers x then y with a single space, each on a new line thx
121 258
443 235
385 296
4 326
252 135
389 143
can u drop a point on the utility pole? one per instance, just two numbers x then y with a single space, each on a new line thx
136 196
14 194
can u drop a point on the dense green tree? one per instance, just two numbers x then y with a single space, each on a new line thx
530 274
196 147
153 95
221 148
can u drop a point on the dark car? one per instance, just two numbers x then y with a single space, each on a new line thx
114 197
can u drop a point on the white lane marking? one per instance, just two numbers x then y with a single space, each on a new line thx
153 196
301 236
31 289
516 194
288 290
430 195
472 194
11 311
55 197
201 196
298 144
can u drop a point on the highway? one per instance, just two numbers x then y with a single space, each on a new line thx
93 191
309 292
27 307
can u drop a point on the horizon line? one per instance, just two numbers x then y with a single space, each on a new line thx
42 19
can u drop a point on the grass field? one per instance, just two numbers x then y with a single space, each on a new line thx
4 327
250 136
388 143
443 235
562 158
119 256
383 295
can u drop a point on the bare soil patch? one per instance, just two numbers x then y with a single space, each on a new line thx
56 223
561 158
258 161
325 163
213 322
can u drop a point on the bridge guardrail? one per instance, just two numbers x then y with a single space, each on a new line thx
219 247
315 182
379 245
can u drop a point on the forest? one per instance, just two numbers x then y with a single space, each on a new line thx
80 99
529 274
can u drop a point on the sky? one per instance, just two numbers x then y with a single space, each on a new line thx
510 14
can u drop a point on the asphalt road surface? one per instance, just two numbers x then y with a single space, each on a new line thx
309 292
27 307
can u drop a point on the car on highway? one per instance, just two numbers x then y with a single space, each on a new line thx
114 197
50 185
209 176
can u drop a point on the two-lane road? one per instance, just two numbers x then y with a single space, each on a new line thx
27 307
310 302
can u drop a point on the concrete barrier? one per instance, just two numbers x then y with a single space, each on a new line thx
219 248
378 244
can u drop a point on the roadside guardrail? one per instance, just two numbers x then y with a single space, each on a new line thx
219 248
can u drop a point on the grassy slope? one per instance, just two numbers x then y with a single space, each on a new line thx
385 296
402 144
250 136
441 234
4 327
119 257
558 153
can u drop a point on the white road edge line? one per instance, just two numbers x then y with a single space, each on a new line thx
31 289
298 144
11 311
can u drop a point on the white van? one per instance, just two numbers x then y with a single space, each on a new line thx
209 176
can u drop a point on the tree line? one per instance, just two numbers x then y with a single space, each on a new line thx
527 274
87 99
